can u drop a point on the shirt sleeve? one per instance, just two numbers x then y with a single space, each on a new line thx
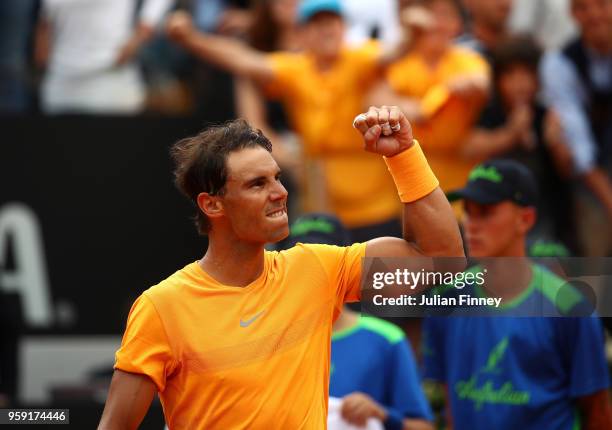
145 348
284 72
405 391
582 345
562 92
342 265
433 349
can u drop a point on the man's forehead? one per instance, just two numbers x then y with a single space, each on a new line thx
250 163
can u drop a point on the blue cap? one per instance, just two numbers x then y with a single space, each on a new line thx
308 8
318 228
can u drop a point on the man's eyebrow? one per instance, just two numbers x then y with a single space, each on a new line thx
260 177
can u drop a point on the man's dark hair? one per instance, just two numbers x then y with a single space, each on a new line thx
201 160
516 50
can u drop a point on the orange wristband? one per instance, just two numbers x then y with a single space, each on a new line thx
411 173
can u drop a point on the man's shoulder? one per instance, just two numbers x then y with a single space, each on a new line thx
319 249
391 333
172 284
564 296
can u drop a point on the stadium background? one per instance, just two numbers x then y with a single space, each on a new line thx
89 217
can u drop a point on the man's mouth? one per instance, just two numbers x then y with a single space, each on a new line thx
277 214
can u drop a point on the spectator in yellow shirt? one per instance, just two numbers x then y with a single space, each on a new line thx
441 87
310 84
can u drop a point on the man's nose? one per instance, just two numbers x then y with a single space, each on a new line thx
278 192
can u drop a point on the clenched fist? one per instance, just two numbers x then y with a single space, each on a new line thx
385 130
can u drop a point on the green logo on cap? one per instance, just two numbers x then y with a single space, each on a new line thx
306 226
486 173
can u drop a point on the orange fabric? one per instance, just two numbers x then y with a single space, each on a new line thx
412 175
448 118
187 335
321 107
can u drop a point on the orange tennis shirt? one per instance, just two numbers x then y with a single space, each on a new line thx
254 357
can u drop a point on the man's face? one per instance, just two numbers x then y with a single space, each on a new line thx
594 17
518 85
447 20
324 35
255 201
493 13
496 230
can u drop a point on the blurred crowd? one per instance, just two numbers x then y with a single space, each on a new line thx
479 79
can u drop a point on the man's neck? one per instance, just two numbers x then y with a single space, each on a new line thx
488 36
233 263
601 48
507 278
346 320
325 63
431 56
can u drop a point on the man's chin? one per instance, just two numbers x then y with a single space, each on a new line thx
278 235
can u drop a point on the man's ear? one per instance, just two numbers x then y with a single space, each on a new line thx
528 218
210 205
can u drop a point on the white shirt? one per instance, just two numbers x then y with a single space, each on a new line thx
549 21
86 38
87 35
363 16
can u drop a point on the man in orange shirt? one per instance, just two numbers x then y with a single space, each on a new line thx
310 85
241 338
440 86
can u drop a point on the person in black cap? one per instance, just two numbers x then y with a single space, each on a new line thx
373 368
498 190
506 371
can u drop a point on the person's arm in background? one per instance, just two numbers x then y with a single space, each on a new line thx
428 217
42 41
406 390
595 411
598 181
404 396
484 142
358 407
562 92
228 53
129 398
150 16
251 105
582 346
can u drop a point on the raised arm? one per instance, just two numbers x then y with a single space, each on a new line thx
128 401
226 52
428 218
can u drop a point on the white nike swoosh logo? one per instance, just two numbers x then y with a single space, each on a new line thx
250 321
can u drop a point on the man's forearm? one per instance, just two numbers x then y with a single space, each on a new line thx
596 411
428 218
599 183
228 53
